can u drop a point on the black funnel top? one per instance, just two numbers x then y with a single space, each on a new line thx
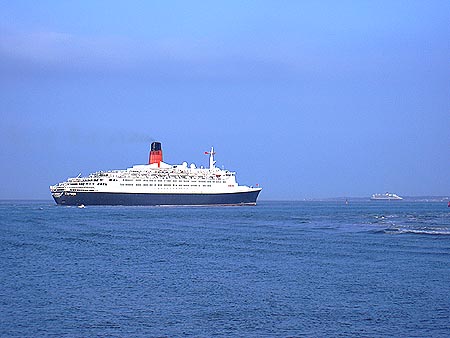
156 146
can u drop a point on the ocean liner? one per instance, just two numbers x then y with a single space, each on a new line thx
386 197
157 183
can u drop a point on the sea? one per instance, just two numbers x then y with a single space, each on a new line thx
278 269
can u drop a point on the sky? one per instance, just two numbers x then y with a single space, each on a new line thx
309 99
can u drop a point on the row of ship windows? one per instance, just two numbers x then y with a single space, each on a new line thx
94 180
174 181
130 180
138 180
165 185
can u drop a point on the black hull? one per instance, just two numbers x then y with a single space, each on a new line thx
103 198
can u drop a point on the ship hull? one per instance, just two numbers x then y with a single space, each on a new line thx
386 199
130 199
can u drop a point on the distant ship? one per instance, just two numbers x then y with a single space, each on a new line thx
385 197
157 183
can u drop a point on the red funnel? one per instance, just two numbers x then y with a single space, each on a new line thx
155 154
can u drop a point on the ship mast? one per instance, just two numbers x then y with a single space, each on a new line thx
211 158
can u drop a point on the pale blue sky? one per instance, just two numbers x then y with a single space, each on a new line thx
309 99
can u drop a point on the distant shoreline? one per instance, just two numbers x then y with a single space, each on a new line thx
325 199
362 199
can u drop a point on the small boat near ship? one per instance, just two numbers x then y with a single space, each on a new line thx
386 197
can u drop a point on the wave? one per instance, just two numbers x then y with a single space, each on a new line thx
423 231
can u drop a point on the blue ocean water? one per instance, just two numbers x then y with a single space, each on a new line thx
280 269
